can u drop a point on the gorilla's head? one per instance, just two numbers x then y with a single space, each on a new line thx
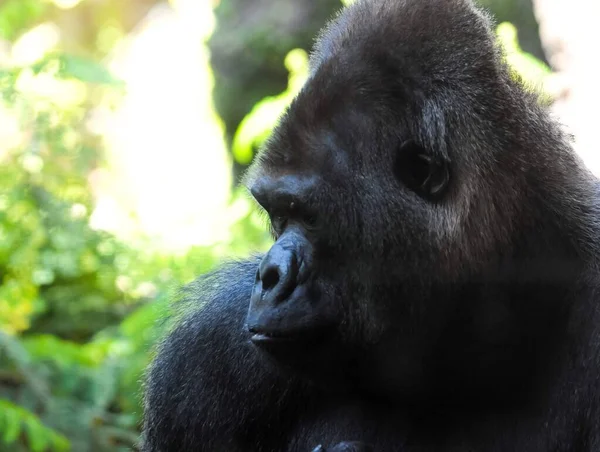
413 189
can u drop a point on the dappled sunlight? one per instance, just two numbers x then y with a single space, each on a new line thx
170 165
66 4
10 133
35 43
45 86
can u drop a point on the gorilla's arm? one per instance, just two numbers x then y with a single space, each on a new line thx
208 388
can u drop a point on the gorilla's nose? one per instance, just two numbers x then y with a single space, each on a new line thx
278 273
282 302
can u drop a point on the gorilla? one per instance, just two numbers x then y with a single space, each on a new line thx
433 285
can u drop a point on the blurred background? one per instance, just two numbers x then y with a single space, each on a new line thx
125 126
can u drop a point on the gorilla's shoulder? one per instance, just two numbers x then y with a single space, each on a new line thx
210 309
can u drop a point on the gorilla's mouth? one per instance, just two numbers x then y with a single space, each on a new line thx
289 338
274 337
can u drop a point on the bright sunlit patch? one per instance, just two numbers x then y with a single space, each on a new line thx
35 43
33 164
78 211
196 14
170 165
66 4
108 36
11 135
63 93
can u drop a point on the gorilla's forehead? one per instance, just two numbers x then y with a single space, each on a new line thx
375 72
341 117
318 135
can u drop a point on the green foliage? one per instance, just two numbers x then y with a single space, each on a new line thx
65 287
57 275
18 426
18 14
257 125
82 69
526 67
50 259
16 422
79 309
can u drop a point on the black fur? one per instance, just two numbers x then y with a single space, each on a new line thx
466 323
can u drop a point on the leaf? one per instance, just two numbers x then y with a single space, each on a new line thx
36 435
15 15
528 67
39 437
85 70
12 426
258 124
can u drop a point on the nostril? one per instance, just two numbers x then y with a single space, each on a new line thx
270 278
278 273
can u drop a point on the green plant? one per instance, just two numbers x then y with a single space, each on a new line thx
16 422
526 67
257 125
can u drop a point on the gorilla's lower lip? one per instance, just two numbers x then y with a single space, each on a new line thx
287 337
278 336
264 337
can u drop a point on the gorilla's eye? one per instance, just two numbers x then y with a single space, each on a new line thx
302 213
420 172
310 220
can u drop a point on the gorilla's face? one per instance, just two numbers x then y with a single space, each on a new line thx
355 201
